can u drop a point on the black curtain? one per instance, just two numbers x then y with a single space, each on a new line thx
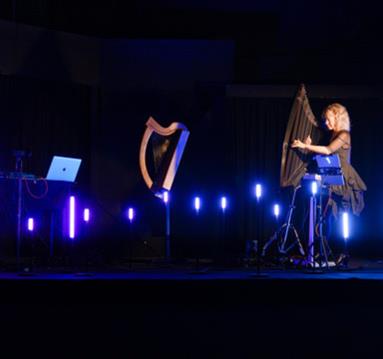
257 128
46 118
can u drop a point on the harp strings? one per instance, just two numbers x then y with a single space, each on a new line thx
301 124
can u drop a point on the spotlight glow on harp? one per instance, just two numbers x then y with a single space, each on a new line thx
165 197
167 145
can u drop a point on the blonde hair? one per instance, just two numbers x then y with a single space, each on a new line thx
341 115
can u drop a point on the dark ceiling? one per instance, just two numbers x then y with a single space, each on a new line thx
355 21
142 19
302 37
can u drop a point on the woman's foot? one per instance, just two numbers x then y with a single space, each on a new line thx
343 260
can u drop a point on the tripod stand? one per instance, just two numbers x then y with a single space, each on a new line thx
281 235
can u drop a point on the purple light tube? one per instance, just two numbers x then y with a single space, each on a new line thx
72 207
31 225
130 214
86 214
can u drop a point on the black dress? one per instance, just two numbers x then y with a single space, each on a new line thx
350 195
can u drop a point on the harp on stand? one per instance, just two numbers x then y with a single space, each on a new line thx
159 166
295 168
168 144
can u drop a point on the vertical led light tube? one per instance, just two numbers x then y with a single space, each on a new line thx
276 210
197 204
72 208
31 225
345 226
86 215
258 191
223 203
314 188
130 214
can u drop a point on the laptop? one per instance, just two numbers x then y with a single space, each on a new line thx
63 169
330 161
329 167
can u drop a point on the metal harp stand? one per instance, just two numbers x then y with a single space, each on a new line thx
281 235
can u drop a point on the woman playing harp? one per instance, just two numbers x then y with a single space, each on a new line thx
350 195
337 121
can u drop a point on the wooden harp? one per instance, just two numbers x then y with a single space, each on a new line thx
159 167
301 123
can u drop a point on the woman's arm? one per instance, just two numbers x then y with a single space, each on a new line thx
322 150
340 140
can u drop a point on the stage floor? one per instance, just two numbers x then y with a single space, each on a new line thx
362 269
152 311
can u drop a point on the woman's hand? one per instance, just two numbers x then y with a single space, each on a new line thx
298 144
308 140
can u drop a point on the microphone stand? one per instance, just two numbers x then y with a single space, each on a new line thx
19 175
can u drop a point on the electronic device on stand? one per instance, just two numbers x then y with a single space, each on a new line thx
63 170
328 173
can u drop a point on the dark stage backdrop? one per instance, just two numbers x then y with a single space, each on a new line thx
45 118
235 139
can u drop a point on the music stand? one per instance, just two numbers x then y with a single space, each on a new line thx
19 176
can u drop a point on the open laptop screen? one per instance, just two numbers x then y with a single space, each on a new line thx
63 169
328 161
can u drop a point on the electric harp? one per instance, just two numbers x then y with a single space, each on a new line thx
167 144
301 123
